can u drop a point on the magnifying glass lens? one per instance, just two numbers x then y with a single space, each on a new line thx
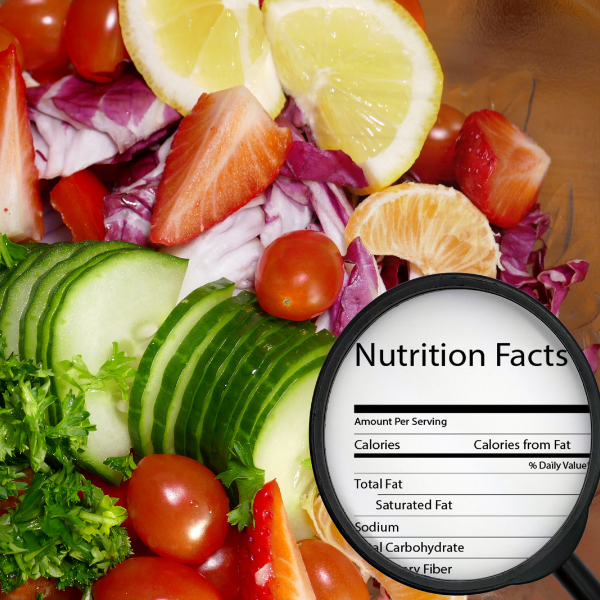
457 433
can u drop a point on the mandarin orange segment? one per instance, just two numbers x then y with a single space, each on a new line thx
436 228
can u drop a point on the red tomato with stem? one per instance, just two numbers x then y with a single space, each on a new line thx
39 26
150 578
6 39
93 39
223 567
178 507
299 275
332 574
436 160
415 10
79 199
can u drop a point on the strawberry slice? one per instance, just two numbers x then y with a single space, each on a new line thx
226 152
499 167
20 204
271 564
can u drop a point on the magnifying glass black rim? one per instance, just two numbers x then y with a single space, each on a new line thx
563 543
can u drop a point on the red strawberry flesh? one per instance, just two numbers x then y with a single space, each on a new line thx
20 205
226 152
271 565
499 167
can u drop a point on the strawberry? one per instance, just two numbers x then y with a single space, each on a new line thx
226 152
20 204
499 167
271 564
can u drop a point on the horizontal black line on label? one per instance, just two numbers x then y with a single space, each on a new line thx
471 473
436 495
466 433
464 408
406 516
457 537
464 455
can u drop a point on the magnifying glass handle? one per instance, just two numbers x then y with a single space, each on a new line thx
578 580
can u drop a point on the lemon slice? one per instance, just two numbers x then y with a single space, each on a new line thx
363 73
435 228
185 48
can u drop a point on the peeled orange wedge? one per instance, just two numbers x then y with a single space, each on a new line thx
363 73
184 48
436 228
327 531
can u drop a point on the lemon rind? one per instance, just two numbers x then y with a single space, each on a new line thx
180 92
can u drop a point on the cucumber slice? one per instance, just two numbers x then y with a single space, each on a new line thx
252 371
20 290
163 347
44 288
54 302
15 272
282 445
219 411
202 397
192 356
312 350
123 298
304 347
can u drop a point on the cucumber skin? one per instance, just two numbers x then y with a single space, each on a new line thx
38 269
145 366
255 367
42 292
219 413
217 354
199 440
296 348
313 347
203 328
198 396
20 268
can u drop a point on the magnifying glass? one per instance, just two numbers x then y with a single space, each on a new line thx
455 438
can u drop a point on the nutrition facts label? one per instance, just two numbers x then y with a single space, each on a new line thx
457 471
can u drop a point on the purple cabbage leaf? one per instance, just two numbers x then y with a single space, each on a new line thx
128 210
522 261
362 284
78 123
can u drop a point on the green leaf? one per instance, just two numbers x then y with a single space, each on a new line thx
306 463
249 481
122 464
115 372
10 253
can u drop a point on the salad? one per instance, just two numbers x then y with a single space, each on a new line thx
198 198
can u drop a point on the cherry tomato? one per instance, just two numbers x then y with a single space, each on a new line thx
6 39
178 507
436 161
39 26
299 275
332 575
93 38
415 10
118 492
79 199
33 588
149 578
223 567
43 77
